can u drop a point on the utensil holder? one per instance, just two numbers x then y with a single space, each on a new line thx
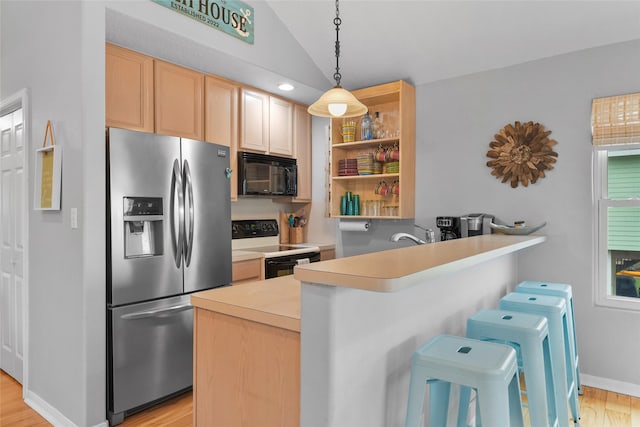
295 235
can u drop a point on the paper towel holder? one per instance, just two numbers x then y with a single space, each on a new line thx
357 225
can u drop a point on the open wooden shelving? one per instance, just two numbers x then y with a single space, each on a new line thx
395 102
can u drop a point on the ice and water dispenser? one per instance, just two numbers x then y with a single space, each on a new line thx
143 223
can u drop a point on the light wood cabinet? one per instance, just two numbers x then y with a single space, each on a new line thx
221 120
302 139
247 271
395 102
266 123
280 127
326 254
128 89
179 101
254 120
220 111
246 373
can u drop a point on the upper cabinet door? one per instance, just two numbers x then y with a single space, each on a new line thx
128 89
302 140
220 111
179 101
221 120
280 127
254 120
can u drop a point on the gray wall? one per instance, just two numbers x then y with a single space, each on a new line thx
48 48
56 50
456 121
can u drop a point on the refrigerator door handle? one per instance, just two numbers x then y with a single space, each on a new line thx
176 186
156 313
188 191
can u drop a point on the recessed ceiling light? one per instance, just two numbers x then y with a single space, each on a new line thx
285 86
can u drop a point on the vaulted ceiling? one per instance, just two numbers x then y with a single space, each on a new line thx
425 41
381 40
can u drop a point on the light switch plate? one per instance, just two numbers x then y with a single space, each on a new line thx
74 218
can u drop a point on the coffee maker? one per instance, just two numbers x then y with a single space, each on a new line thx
449 227
454 227
475 224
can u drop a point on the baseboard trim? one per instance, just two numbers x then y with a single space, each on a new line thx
47 411
50 413
611 385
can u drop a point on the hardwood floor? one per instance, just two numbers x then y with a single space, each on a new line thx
599 408
177 412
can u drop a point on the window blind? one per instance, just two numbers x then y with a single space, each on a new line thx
616 120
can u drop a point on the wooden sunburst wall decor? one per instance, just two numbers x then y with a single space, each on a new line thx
521 153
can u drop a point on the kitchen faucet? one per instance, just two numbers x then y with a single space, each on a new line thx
399 236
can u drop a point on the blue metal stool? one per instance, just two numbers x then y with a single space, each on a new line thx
555 310
528 334
489 368
564 291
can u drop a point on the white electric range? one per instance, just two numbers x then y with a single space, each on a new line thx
262 235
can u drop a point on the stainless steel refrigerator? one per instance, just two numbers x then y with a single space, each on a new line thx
169 234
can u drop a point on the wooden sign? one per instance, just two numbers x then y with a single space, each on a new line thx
48 174
230 16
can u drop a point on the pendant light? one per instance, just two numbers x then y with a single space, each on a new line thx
337 102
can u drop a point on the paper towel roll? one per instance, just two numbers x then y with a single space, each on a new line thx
354 226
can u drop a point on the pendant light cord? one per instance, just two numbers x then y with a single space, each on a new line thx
337 21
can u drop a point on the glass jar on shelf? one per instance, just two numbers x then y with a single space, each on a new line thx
378 126
366 127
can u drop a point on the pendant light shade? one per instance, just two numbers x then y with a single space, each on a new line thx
337 102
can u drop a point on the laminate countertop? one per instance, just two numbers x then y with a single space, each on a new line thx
248 254
274 302
396 269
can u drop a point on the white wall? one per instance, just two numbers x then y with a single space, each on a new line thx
456 120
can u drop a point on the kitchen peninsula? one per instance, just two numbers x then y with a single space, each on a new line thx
356 322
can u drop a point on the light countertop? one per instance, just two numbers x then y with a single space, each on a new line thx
396 269
276 301
273 302
248 254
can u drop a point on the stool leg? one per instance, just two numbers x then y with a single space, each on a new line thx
417 390
494 404
515 403
571 375
548 377
559 368
463 408
439 403
533 365
572 327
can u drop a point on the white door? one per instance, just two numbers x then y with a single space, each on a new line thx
13 215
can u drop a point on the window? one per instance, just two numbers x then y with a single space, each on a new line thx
616 137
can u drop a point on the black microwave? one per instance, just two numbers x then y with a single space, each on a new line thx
264 175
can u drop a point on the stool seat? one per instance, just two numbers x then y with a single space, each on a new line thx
561 290
489 368
555 310
528 334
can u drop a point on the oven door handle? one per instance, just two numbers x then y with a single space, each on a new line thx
291 262
288 263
